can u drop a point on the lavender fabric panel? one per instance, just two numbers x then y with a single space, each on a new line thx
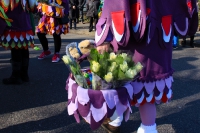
21 19
74 92
3 26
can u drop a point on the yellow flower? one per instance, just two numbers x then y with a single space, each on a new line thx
124 66
108 77
95 66
66 59
112 67
113 56
131 73
138 67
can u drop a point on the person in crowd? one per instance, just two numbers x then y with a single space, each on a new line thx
195 22
143 26
73 13
92 13
52 26
175 41
16 34
81 6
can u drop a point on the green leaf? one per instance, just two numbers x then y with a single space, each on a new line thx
73 69
121 75
93 55
119 60
115 74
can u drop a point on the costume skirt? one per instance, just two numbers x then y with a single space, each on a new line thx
17 39
50 25
96 105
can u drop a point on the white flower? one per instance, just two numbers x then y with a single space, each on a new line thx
125 57
138 67
95 66
112 67
131 73
124 66
113 56
66 59
108 77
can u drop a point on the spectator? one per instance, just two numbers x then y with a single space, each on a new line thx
92 12
194 22
73 12
81 6
175 41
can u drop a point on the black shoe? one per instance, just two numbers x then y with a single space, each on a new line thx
12 81
25 77
175 47
90 30
192 44
183 43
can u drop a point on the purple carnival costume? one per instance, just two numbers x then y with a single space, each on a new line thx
17 37
146 28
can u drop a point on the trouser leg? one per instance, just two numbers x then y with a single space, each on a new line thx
16 59
57 42
25 65
43 41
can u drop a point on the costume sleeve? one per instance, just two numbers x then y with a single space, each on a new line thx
139 19
121 19
3 26
65 3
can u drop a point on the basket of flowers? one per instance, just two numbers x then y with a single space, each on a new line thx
103 89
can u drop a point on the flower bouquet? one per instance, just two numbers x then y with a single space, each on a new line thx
112 70
76 71
106 71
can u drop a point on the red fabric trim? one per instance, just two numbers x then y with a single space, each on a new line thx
118 20
166 23
164 99
135 8
17 33
189 4
148 11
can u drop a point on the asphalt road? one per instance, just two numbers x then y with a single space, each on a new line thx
40 105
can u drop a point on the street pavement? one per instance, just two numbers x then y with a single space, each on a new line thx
40 106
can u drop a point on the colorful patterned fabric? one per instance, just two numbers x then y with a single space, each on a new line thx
50 25
52 11
17 39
